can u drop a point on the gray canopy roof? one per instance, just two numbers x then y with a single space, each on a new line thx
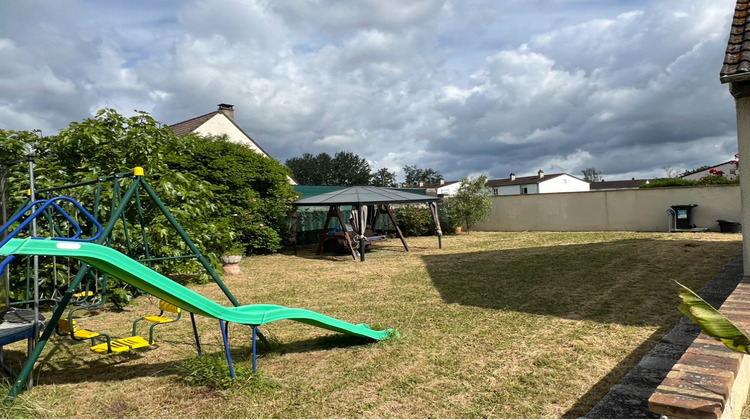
364 195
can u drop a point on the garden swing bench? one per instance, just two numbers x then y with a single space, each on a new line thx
368 204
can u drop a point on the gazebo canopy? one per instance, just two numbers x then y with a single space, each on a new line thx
360 198
364 196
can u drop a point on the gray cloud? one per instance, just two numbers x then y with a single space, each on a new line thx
463 87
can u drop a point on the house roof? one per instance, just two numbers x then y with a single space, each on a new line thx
438 185
521 180
618 185
363 195
737 58
188 126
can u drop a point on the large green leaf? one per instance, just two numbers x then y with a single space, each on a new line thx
712 322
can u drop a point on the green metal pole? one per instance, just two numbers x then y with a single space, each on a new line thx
187 240
121 214
48 330
142 221
34 356
84 183
97 198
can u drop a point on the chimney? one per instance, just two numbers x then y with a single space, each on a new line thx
541 174
228 110
442 181
512 176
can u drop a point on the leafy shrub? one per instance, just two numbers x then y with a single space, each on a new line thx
221 193
670 182
252 192
679 182
471 203
415 220
447 224
717 179
263 239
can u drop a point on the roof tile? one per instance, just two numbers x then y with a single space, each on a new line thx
737 57
186 127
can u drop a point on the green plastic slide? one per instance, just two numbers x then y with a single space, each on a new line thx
128 270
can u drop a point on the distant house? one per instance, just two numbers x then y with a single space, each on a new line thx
442 188
218 123
539 184
632 184
730 170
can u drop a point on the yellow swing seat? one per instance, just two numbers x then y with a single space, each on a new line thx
164 309
121 345
157 319
63 325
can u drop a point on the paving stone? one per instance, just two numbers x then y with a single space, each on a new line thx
616 405
682 334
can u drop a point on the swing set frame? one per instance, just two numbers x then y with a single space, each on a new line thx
121 200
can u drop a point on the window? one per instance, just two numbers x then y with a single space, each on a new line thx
524 190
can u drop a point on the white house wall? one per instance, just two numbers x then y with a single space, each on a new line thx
448 190
220 124
729 169
563 183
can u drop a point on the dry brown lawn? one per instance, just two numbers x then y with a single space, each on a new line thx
500 325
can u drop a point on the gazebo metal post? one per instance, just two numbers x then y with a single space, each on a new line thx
361 210
346 232
436 219
335 211
395 225
325 229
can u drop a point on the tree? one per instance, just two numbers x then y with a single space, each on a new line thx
591 175
349 170
383 178
471 203
200 180
344 169
670 171
415 175
15 145
310 169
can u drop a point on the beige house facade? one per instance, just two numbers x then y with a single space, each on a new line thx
218 123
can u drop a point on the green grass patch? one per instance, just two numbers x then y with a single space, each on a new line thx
502 325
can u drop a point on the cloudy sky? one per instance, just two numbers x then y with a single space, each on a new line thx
464 87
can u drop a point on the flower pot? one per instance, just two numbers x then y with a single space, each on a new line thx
230 259
231 269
